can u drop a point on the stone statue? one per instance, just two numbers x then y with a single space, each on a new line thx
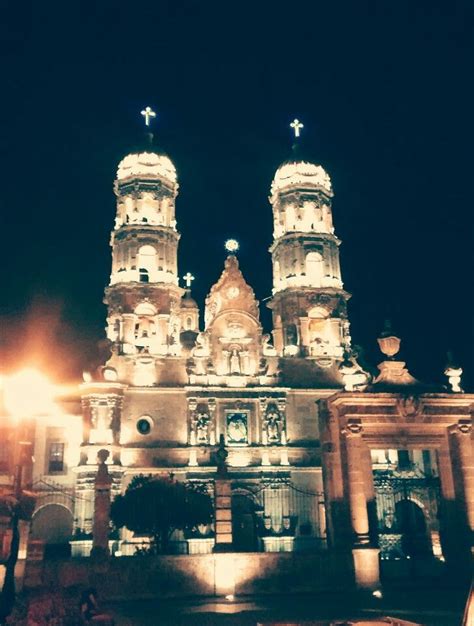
273 424
201 426
235 366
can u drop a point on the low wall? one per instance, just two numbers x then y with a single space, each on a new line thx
198 575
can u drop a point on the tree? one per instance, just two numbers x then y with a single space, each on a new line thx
158 506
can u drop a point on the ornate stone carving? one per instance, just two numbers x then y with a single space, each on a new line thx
464 426
409 407
201 422
454 378
272 425
353 428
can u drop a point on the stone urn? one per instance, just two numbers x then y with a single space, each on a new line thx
389 343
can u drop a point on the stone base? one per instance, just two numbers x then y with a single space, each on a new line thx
223 547
366 567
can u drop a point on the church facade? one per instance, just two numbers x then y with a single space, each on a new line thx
320 453
170 391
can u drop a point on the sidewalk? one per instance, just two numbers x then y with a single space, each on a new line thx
428 608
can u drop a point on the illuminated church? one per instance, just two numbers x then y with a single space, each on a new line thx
320 453
173 386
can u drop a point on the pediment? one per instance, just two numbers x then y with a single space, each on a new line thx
230 293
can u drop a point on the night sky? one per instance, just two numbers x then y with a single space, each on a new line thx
384 90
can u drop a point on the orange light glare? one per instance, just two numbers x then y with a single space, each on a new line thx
28 393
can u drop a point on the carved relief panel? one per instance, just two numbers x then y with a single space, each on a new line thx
202 430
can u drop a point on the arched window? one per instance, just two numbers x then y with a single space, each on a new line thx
146 263
314 268
189 322
145 308
291 335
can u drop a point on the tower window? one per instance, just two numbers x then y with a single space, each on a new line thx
314 268
56 458
291 335
144 276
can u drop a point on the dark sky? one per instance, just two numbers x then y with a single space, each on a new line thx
385 93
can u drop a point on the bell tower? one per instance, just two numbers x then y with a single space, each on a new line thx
309 303
143 296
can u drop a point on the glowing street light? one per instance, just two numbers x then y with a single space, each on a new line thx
26 394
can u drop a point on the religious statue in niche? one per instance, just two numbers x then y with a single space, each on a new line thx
235 365
272 425
200 426
234 356
237 428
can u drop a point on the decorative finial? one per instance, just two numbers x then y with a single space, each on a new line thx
296 125
148 113
389 343
188 279
453 373
232 245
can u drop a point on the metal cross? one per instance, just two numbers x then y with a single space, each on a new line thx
148 113
188 279
296 125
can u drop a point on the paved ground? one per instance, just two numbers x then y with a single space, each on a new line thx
433 607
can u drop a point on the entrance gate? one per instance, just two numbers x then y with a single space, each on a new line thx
407 513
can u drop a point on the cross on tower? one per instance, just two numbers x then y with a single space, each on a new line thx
148 113
296 125
188 279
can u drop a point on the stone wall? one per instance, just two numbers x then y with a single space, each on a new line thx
197 575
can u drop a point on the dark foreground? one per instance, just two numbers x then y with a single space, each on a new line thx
430 607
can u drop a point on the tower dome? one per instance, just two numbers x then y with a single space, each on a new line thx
146 165
300 173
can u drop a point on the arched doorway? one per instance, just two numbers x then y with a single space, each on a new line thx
411 524
244 523
53 525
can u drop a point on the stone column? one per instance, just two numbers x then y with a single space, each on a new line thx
223 502
211 405
370 494
355 479
366 557
463 435
101 527
448 517
463 466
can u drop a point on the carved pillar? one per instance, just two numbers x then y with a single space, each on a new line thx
449 526
212 422
366 557
337 515
462 434
355 479
101 527
281 404
192 405
370 493
263 432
